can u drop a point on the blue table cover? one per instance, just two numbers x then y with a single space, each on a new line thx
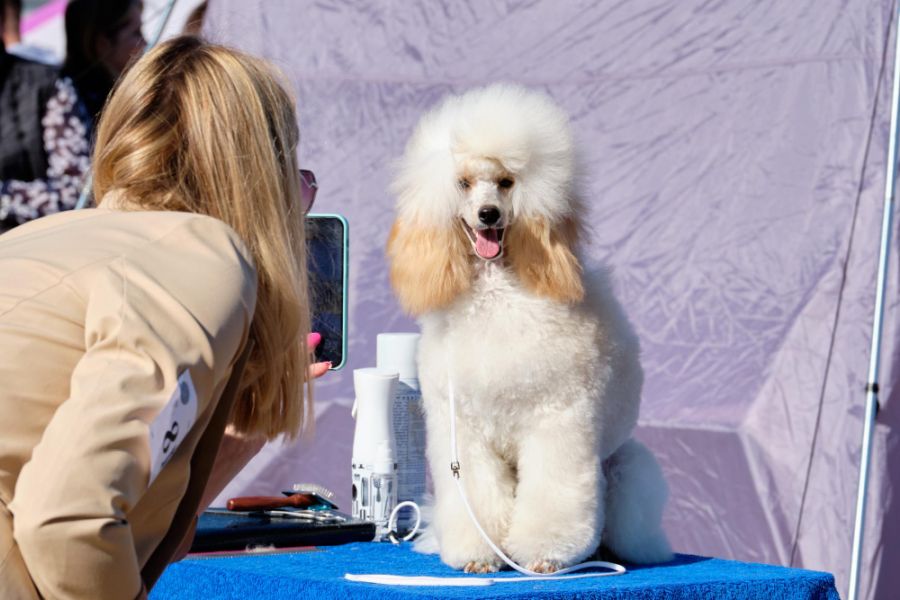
319 574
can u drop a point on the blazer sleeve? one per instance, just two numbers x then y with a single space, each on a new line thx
183 302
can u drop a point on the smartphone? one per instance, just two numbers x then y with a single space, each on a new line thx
327 243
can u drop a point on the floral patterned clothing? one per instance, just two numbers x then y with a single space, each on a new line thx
66 142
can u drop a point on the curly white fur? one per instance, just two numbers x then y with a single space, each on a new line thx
545 365
488 122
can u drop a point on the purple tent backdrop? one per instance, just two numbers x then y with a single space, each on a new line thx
734 159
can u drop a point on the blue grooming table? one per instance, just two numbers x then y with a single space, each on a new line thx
319 574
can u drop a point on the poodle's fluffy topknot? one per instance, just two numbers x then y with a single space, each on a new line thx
525 130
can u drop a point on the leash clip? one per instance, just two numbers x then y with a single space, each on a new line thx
454 469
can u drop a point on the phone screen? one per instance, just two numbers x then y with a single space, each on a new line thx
326 239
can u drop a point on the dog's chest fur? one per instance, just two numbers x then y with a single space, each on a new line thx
512 354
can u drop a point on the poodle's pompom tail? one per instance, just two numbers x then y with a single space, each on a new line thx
635 498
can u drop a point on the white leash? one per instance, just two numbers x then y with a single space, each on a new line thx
614 569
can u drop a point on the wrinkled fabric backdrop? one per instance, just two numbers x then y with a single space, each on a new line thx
734 168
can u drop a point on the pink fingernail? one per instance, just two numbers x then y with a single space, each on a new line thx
314 338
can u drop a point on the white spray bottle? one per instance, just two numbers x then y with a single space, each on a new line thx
374 472
397 352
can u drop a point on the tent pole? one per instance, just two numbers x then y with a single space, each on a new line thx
89 180
871 407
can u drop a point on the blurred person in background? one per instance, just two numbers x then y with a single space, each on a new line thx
51 124
102 38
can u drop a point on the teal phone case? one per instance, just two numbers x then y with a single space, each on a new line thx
344 279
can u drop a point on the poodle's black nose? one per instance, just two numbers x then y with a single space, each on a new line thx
489 215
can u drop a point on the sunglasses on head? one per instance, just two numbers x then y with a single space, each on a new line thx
308 188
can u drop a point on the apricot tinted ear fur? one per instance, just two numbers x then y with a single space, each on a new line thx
544 259
430 266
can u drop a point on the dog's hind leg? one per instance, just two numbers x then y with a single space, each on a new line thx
635 496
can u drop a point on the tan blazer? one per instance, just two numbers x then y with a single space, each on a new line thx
101 311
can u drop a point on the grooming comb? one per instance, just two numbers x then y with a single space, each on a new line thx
312 488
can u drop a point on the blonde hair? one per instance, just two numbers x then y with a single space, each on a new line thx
201 128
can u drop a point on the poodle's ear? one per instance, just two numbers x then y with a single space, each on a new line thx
544 259
430 266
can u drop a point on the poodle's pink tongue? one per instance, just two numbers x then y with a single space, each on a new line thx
486 244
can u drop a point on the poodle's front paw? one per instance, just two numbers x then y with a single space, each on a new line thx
480 566
544 565
537 557
543 552
472 563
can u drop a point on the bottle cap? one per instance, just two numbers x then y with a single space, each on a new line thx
397 352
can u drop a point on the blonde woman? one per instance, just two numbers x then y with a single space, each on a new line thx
133 334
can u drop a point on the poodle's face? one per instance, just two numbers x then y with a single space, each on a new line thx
485 208
487 177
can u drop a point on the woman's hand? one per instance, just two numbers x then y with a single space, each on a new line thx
316 370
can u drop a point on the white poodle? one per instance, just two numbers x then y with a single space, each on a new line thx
545 365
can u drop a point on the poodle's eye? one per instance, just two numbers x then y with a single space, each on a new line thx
505 183
464 183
